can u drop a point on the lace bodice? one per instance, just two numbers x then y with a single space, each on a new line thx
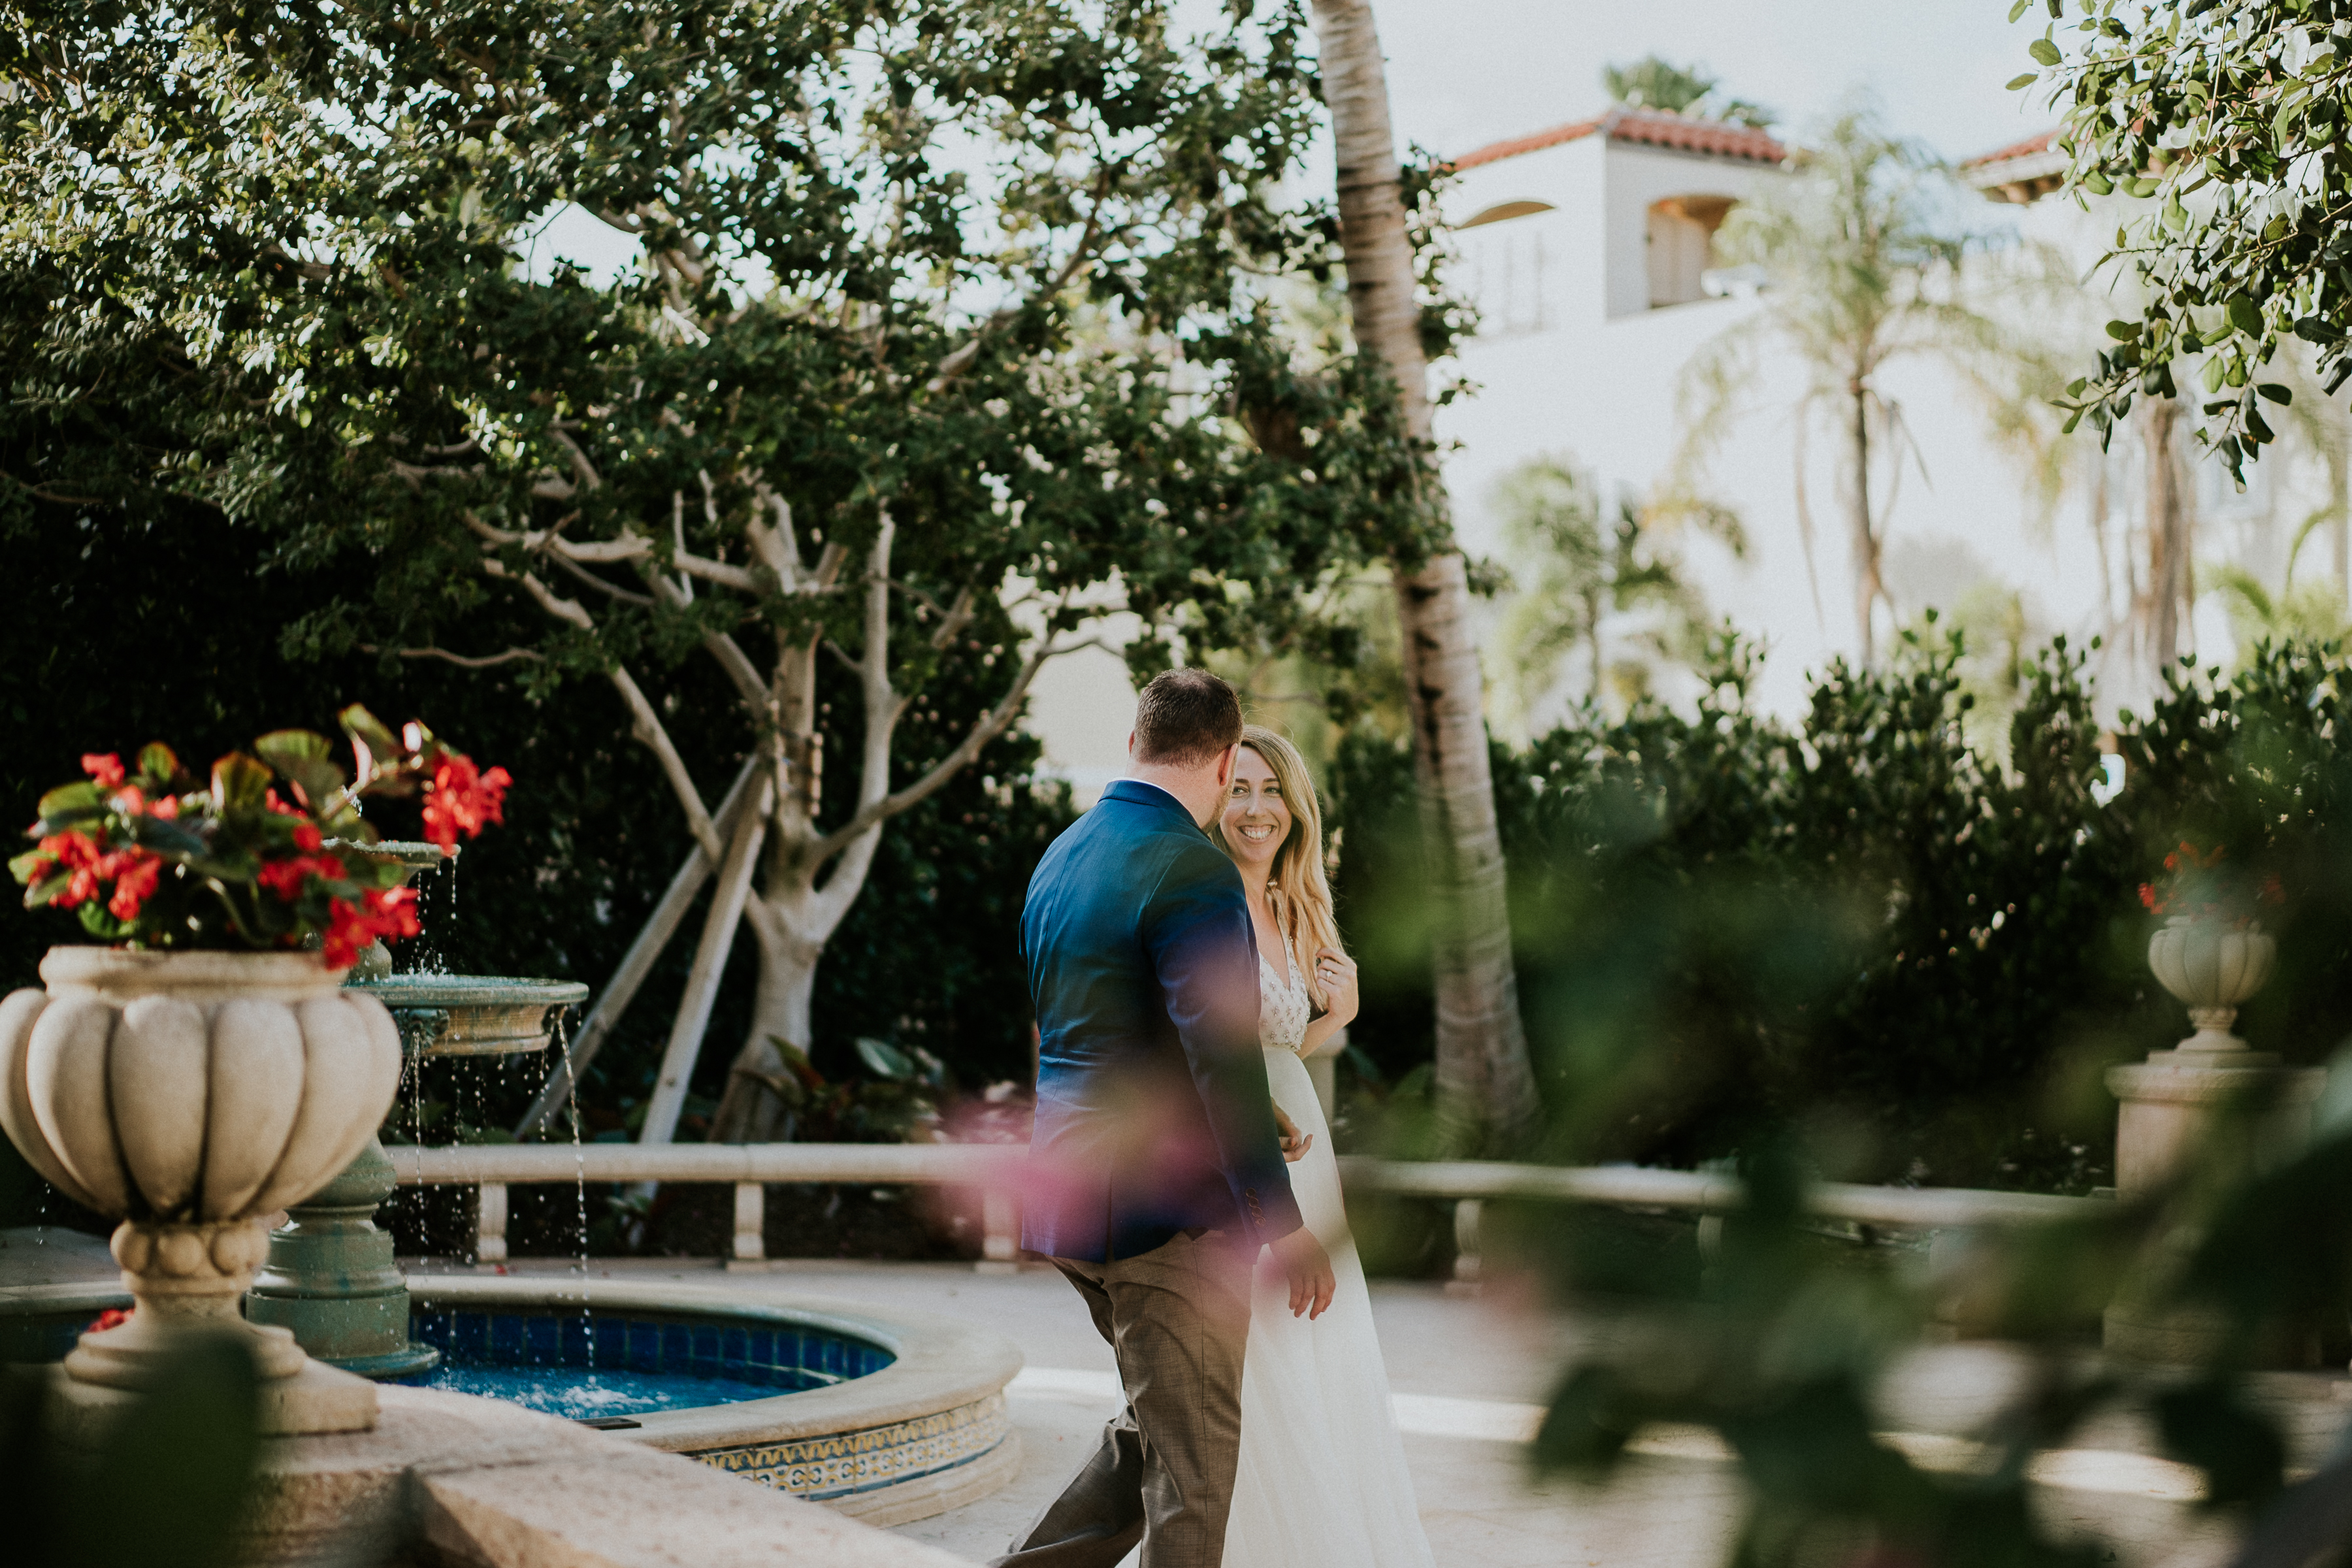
1283 1008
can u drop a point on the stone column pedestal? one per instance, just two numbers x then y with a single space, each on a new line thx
2169 1105
331 1278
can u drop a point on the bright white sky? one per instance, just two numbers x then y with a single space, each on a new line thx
1466 72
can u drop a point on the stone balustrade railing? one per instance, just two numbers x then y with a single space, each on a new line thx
997 1171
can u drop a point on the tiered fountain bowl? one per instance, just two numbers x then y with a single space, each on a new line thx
329 1277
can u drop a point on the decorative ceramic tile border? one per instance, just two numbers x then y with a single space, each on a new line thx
839 1464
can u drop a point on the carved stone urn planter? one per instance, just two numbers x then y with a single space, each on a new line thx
192 1095
2214 967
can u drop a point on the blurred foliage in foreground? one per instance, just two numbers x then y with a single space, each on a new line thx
165 1485
1792 1352
1862 922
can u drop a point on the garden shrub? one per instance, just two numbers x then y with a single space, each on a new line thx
1859 922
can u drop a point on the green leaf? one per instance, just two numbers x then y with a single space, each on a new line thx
2027 80
280 745
368 733
2257 428
2019 9
24 866
98 923
239 784
2075 387
41 892
2315 330
884 1059
158 765
2246 315
69 803
2043 50
2212 376
2122 331
2098 184
302 756
2275 392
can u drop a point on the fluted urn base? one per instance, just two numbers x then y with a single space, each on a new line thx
186 1281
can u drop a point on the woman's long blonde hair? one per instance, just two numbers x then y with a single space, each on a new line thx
1296 889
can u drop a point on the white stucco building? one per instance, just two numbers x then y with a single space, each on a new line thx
1588 249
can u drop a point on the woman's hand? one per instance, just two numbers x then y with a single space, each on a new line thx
1335 971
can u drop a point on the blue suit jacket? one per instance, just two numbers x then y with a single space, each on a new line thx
1153 1113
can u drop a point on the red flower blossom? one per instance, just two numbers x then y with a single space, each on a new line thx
390 912
130 802
2148 896
306 836
269 798
461 799
166 806
79 853
136 873
112 1318
106 769
285 877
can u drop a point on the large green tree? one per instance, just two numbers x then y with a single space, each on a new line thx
944 340
2229 118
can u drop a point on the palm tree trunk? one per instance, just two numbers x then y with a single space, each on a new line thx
2339 461
1863 537
2167 534
1482 1051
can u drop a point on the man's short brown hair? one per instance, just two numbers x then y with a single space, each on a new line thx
1184 718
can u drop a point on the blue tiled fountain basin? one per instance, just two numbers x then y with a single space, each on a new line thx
602 1365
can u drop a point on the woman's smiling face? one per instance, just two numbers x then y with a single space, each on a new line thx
1257 819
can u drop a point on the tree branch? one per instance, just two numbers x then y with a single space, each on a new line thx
645 723
485 662
646 727
626 596
990 724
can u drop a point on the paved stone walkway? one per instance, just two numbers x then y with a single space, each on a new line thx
1469 1376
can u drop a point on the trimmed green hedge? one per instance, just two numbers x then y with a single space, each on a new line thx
1862 922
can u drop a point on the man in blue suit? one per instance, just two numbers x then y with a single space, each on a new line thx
1158 1168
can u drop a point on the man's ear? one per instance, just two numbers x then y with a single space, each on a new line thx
1225 762
1130 746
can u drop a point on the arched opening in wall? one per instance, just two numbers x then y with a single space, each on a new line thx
1502 210
1682 246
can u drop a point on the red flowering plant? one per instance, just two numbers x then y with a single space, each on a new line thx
2205 884
272 853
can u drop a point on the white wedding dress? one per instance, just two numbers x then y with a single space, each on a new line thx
1322 1480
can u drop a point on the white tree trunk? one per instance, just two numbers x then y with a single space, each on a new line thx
2169 587
1482 1052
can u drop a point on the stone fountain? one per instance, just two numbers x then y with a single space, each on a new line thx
329 1277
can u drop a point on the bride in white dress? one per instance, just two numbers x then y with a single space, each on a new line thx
1322 1478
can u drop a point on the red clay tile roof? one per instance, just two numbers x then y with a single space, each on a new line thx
2025 148
1650 127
